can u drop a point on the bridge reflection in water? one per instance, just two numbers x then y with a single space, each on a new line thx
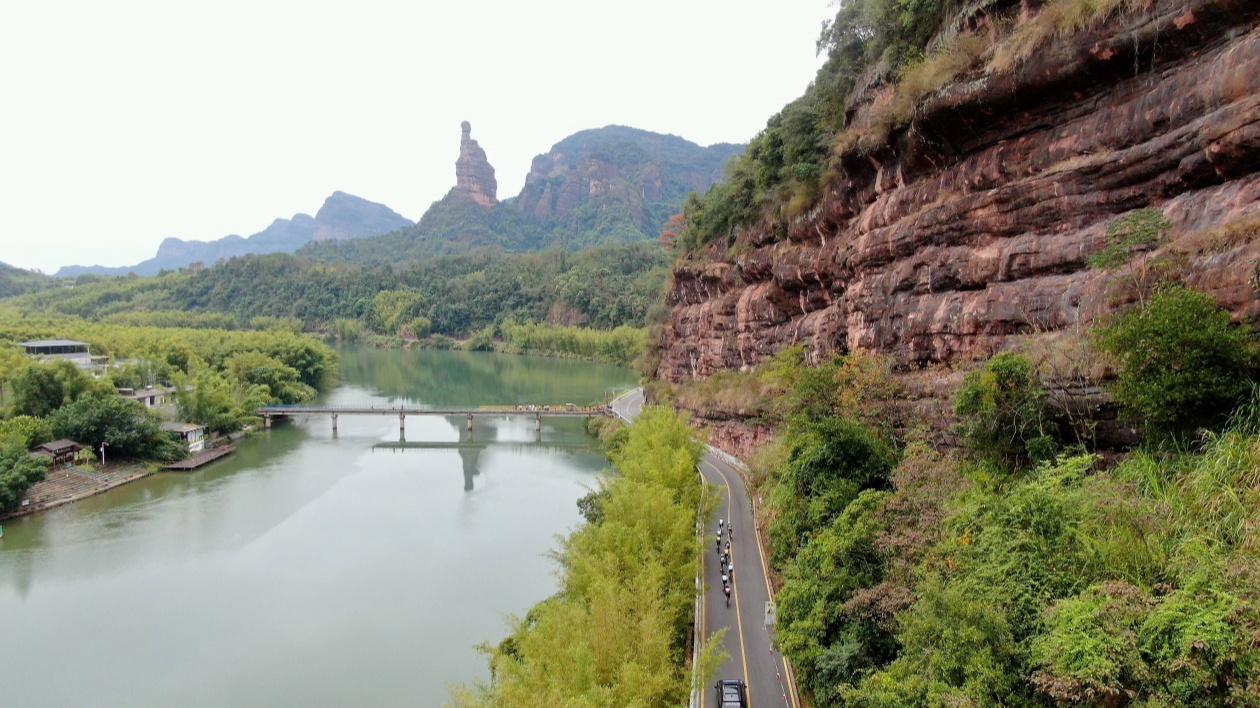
469 448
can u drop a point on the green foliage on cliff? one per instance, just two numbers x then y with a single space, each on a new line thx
1003 414
917 577
785 166
616 632
1182 364
1142 229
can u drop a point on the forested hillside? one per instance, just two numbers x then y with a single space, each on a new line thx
457 295
15 281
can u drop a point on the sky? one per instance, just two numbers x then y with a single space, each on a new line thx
123 123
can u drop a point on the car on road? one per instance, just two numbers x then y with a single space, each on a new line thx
731 693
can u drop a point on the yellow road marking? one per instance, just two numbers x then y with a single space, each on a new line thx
739 620
765 573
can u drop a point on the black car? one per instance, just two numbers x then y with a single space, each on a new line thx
731 693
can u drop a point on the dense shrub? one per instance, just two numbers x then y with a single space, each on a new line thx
1182 364
18 471
1003 415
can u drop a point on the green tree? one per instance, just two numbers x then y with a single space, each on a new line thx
207 398
124 426
1003 415
25 430
257 369
18 471
40 389
831 461
1182 364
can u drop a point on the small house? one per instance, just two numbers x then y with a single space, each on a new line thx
149 396
61 452
191 433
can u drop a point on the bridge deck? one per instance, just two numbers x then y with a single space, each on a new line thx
551 411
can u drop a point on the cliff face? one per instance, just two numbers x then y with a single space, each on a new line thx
474 177
969 229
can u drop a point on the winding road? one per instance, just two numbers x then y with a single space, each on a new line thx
747 640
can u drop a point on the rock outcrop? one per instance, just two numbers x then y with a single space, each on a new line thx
345 216
474 177
967 232
606 185
618 172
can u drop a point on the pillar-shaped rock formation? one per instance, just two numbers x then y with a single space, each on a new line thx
474 177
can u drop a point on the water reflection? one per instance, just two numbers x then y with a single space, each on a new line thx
483 435
310 567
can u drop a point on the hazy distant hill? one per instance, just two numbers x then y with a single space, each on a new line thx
606 185
342 217
16 281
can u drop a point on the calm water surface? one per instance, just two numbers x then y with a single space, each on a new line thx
309 569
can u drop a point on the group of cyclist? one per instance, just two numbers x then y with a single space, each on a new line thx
727 564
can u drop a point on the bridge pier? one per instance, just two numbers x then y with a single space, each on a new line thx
334 417
402 424
266 422
538 422
470 422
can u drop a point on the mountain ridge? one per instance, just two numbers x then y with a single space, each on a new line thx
342 216
614 184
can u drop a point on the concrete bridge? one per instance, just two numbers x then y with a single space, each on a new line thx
536 411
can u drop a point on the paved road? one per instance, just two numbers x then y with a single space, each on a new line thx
747 638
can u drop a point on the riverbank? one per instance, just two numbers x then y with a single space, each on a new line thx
70 484
619 346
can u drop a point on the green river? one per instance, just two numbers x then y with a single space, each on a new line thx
310 568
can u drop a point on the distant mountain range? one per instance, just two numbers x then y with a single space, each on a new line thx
342 217
606 185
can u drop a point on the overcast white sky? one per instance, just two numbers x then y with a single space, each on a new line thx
125 122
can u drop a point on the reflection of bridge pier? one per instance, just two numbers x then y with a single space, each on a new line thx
469 448
469 455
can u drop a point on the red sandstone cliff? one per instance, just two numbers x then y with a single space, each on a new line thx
968 229
474 176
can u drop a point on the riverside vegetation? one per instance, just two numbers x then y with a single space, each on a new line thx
219 378
484 297
616 631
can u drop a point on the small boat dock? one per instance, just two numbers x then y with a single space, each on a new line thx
201 458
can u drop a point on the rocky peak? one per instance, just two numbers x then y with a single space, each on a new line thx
474 177
345 216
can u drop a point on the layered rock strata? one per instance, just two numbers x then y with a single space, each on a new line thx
969 229
474 176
